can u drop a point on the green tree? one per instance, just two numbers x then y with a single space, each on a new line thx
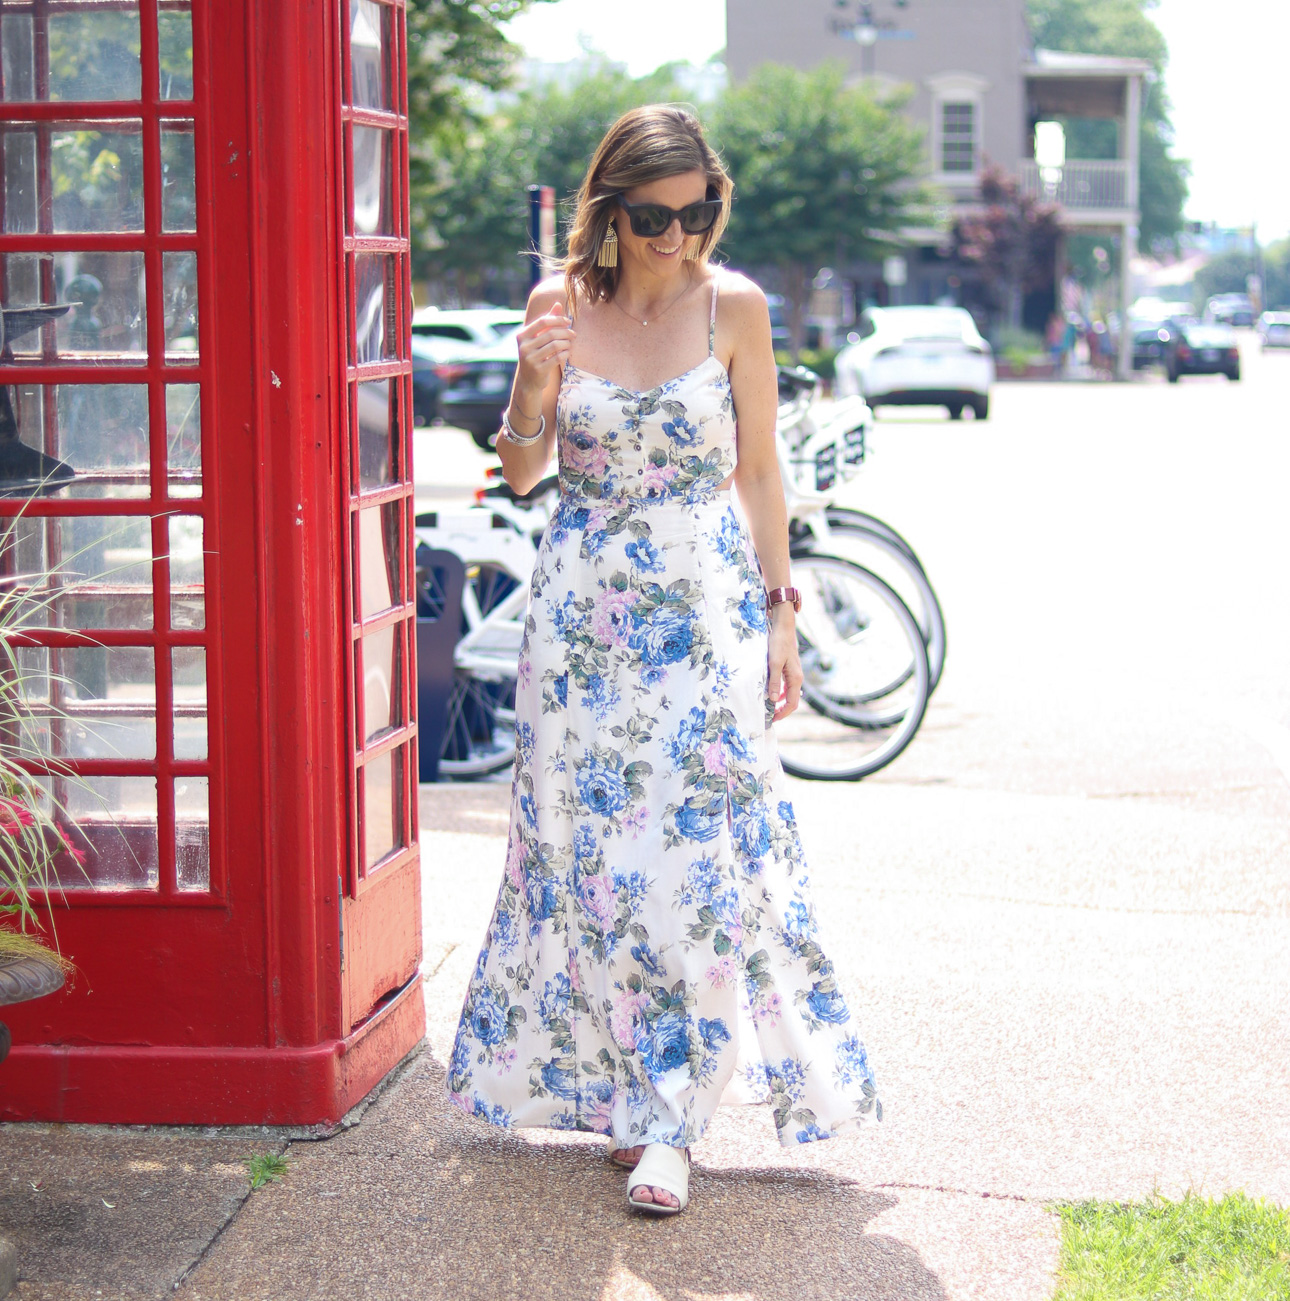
456 49
1276 276
824 173
471 218
1225 274
1122 28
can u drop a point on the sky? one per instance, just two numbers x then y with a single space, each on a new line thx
1225 79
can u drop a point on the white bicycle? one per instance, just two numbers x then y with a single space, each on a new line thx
868 659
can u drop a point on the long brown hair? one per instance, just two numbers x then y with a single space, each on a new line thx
645 145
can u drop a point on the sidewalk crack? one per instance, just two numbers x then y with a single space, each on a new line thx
232 1215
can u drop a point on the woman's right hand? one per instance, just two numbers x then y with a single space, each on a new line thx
544 344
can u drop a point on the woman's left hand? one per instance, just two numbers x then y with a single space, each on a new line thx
784 680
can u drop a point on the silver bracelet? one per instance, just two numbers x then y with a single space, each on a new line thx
522 440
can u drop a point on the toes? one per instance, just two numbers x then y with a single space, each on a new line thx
642 1194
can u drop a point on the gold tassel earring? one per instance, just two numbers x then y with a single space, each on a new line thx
692 253
608 254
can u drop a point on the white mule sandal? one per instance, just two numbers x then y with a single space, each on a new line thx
662 1167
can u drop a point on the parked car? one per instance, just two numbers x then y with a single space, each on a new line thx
475 327
441 338
1274 329
1230 309
918 356
1152 338
1199 349
477 387
429 356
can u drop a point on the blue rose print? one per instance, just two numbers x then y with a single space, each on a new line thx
601 788
700 822
645 556
667 1046
557 1076
667 638
827 1005
488 1018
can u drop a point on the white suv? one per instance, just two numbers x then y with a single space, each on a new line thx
918 356
475 327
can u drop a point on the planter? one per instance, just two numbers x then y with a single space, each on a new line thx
24 976
1039 368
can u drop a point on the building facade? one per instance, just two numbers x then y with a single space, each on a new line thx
978 88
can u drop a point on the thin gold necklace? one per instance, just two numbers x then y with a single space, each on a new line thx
664 312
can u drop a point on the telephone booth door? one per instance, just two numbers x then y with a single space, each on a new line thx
205 549
382 883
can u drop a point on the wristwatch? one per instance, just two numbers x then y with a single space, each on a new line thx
776 595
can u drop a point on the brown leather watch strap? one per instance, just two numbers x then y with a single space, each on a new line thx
777 595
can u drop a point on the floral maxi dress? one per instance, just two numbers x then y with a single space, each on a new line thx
653 946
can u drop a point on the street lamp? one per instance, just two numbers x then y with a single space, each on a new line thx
858 23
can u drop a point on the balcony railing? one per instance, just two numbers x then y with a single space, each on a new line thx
1081 186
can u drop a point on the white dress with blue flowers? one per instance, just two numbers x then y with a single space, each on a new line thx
653 947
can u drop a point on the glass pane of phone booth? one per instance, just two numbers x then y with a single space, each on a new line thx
378 423
105 545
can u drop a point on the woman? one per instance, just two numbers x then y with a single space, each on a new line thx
653 944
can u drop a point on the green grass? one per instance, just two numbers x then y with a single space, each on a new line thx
1196 1249
264 1168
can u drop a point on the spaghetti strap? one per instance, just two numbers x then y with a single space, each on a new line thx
712 320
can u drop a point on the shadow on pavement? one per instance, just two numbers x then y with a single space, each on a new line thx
420 1201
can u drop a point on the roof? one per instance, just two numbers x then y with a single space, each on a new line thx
1058 63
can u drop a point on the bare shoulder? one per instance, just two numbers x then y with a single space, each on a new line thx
544 296
739 294
741 305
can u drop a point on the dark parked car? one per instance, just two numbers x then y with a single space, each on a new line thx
428 356
1197 349
477 387
1152 339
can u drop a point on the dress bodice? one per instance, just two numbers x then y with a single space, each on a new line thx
674 442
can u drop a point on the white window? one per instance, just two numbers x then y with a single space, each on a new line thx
958 136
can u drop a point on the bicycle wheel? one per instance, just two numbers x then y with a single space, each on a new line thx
854 635
892 563
839 516
479 736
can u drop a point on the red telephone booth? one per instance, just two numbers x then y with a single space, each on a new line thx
207 483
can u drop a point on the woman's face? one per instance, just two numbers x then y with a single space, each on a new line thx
660 255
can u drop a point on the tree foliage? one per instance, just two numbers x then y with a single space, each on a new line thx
455 47
1227 274
472 207
1122 28
824 173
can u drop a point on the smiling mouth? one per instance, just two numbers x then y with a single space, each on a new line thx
666 252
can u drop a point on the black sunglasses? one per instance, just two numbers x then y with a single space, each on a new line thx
652 219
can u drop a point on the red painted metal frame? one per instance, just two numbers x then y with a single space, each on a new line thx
382 908
232 1006
150 112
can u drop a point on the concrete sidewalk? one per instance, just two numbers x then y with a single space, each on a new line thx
1056 1033
1062 918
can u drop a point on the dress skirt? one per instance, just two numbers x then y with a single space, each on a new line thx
653 950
